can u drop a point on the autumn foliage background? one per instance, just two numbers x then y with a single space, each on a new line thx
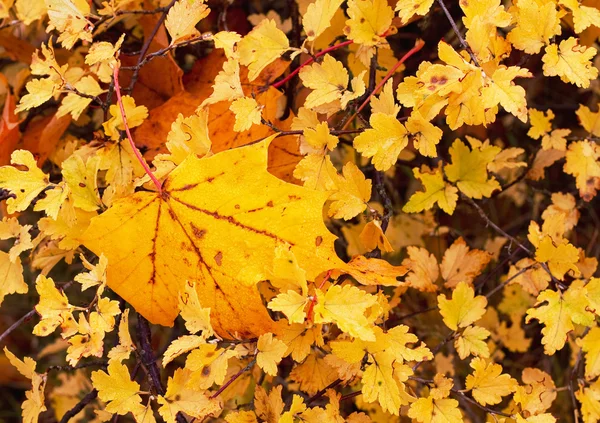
299 211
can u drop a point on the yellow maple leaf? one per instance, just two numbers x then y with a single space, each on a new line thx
385 102
24 184
209 365
583 162
126 346
424 134
431 410
571 62
318 137
384 141
561 258
228 85
80 177
53 307
372 237
135 116
408 8
369 21
583 16
182 345
11 272
328 80
423 269
472 342
541 123
589 120
538 392
89 340
291 304
189 135
34 402
317 17
528 34
181 397
559 313
212 239
556 140
589 397
380 385
270 352
461 264
353 192
197 318
590 344
247 113
183 17
317 172
502 90
69 18
436 191
346 306
261 46
487 384
96 275
299 338
313 374
469 169
116 388
463 309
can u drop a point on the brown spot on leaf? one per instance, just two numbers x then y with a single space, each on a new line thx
206 371
198 233
219 258
270 204
237 206
82 185
318 240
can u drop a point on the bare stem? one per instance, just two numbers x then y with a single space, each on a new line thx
15 325
137 153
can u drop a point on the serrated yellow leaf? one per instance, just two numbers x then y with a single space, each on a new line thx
74 103
327 79
384 141
291 304
182 345
469 169
261 46
313 374
541 123
424 134
247 113
538 392
69 18
208 365
353 192
182 19
39 91
11 276
197 318
423 269
436 191
126 346
590 344
372 237
319 137
241 417
346 306
80 176
385 102
463 309
181 398
535 25
556 140
472 342
317 17
189 135
408 8
317 172
299 339
430 410
502 90
583 16
571 62
116 388
589 120
398 337
560 313
487 383
583 162
53 307
461 264
227 40
379 384
561 258
26 366
135 116
369 21
270 352
228 85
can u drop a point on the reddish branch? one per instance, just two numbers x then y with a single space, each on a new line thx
309 61
137 153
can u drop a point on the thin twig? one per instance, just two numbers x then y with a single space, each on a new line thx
509 280
323 391
15 325
233 379
146 45
137 153
457 32
79 406
283 81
